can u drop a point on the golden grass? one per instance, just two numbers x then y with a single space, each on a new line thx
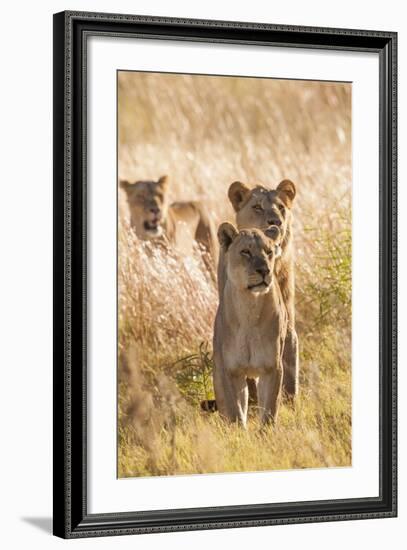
205 133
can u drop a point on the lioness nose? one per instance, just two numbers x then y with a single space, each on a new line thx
275 222
154 210
263 271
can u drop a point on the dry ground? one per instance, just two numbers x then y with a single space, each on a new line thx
205 133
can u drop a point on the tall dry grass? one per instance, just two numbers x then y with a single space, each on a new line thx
205 133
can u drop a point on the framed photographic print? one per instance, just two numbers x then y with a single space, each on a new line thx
224 274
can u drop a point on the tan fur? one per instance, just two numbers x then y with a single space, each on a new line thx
261 208
250 325
179 223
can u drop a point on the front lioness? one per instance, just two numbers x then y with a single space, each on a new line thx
263 208
152 217
250 324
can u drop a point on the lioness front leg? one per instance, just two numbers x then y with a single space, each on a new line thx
232 395
291 363
269 392
241 390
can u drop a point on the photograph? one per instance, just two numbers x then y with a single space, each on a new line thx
225 274
234 274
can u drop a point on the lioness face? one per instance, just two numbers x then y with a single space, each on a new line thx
148 206
250 256
263 208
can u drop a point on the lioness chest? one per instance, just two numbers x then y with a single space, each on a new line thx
252 349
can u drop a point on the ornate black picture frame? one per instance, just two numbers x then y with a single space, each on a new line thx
71 517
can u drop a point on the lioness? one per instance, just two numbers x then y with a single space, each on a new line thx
250 325
264 208
179 223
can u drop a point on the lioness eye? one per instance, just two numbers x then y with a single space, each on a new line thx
245 253
258 208
281 208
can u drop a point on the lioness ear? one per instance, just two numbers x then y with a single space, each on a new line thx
237 194
125 185
286 190
226 233
163 182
